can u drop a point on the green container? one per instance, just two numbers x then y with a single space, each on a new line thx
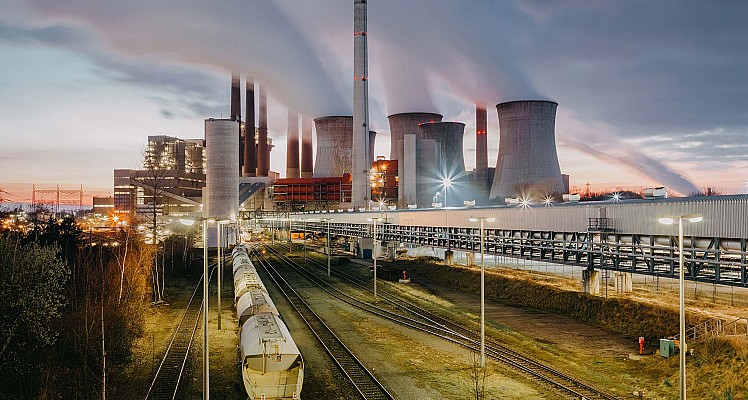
667 347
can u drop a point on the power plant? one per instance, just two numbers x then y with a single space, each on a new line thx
221 195
426 153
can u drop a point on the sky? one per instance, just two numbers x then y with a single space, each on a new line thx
649 93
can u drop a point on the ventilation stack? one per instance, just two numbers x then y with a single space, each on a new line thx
221 195
307 160
263 150
360 191
292 145
481 137
334 143
400 126
528 163
250 139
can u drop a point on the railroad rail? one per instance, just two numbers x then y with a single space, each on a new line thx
426 321
166 382
362 379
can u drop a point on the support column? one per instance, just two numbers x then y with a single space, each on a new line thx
591 281
449 257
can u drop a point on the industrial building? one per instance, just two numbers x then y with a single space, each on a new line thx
171 180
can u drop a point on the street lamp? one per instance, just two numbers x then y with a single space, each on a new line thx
482 290
303 222
447 183
374 255
329 250
682 344
206 359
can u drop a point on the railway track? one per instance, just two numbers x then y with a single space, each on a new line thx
365 383
423 320
166 382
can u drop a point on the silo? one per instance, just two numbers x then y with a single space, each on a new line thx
528 163
334 146
400 125
221 195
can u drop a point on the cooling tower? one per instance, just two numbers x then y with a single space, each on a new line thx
292 145
360 190
481 137
221 195
400 125
449 137
263 151
307 160
334 144
528 164
250 139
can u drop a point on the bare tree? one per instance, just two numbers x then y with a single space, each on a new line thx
477 376
153 180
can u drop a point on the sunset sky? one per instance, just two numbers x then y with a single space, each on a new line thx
649 93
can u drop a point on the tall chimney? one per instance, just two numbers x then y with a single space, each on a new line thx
250 139
292 145
307 162
360 192
481 137
236 112
263 152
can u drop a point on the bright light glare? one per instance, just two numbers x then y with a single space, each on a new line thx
473 219
490 219
666 220
188 222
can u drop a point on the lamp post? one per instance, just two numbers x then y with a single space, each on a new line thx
447 184
329 250
303 222
220 265
681 288
206 359
374 254
482 290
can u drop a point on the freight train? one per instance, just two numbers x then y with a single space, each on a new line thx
271 364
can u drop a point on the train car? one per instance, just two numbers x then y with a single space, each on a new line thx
272 366
253 302
243 270
239 259
245 284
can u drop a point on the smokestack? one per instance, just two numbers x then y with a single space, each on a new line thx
292 145
263 151
250 139
481 137
401 125
236 101
360 191
334 146
528 162
307 161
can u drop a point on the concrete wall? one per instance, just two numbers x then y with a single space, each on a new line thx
407 172
527 163
334 146
428 153
222 169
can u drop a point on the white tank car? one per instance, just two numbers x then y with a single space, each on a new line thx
243 270
245 283
253 302
238 260
272 366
